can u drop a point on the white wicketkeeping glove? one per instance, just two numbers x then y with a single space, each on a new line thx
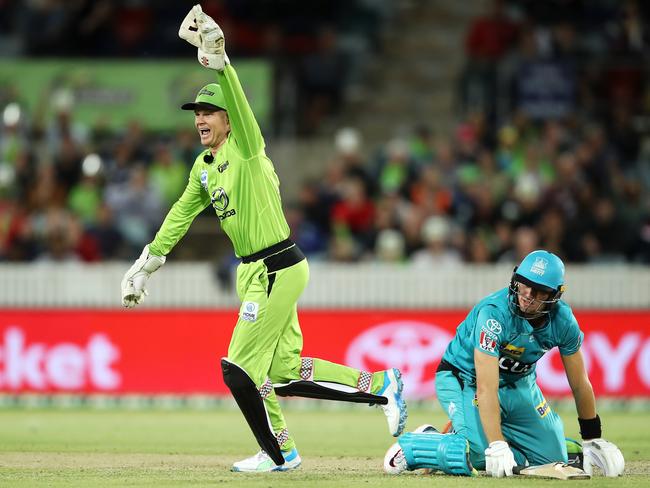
200 30
499 459
135 279
603 454
189 29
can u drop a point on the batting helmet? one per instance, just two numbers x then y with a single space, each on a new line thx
540 270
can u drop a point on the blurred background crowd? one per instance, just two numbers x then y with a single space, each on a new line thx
545 144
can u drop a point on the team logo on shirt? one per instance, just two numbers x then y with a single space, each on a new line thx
204 180
249 311
487 343
539 266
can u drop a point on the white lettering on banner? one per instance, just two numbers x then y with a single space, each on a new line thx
102 353
550 378
554 380
643 363
64 366
19 363
413 347
613 360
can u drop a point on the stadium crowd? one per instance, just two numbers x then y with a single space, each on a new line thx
549 150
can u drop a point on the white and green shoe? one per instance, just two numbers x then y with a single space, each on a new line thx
262 463
395 409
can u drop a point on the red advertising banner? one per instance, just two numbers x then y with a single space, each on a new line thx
157 352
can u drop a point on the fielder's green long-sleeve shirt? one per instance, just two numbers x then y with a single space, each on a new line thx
241 184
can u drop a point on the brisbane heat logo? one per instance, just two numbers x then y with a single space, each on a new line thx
413 347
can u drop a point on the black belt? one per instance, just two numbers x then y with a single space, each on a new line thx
446 366
278 256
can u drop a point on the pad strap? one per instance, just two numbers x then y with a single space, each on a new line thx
328 391
448 453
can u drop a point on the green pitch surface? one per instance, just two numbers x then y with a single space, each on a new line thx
340 448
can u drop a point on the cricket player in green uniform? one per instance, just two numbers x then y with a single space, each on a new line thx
234 175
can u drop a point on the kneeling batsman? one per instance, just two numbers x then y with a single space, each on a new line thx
426 448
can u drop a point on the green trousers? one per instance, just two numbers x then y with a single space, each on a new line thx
267 340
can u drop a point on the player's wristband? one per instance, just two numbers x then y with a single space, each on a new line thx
590 428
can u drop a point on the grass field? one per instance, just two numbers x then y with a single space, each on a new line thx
340 448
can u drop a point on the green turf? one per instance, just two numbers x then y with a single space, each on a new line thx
341 448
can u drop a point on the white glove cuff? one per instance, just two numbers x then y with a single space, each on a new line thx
498 445
212 61
153 263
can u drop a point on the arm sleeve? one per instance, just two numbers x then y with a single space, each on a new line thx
193 200
488 331
572 337
243 125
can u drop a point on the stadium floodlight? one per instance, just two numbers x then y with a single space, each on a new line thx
11 115
91 165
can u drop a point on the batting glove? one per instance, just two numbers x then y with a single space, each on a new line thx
603 454
499 459
135 279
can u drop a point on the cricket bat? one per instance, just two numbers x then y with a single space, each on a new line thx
558 471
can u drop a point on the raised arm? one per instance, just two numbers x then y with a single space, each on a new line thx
200 30
243 124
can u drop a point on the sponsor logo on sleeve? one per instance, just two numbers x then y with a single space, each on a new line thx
487 342
494 326
249 311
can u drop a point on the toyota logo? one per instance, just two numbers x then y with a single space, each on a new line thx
413 347
493 326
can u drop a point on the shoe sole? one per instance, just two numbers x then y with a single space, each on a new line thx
277 469
403 413
283 469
